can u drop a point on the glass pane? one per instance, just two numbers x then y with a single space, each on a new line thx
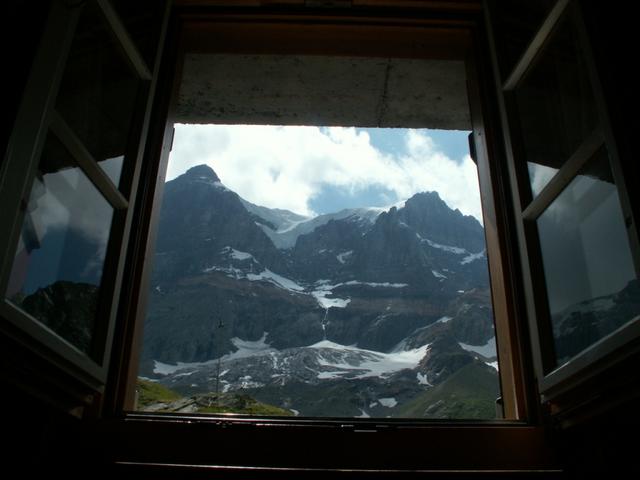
98 92
60 257
555 105
591 282
113 168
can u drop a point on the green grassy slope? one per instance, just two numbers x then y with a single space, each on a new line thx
470 393
153 393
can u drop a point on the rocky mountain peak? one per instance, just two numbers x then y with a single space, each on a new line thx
432 218
202 172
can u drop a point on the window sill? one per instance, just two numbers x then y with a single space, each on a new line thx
207 442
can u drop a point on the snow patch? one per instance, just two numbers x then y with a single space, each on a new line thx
438 274
341 256
493 364
388 402
248 348
320 296
231 272
487 350
276 279
237 254
160 368
422 379
471 257
444 319
245 348
446 248
368 363
373 284
363 414
330 375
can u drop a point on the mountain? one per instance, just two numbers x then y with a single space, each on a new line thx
67 308
195 228
286 235
581 325
375 306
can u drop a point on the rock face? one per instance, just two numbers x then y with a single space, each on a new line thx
280 297
68 308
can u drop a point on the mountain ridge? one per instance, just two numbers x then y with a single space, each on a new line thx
372 284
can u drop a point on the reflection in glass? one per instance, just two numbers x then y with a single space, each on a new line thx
539 176
60 257
98 93
591 282
113 168
556 107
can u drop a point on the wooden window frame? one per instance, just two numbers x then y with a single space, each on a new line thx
557 381
406 35
36 118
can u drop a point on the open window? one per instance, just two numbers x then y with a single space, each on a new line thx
82 176
332 73
578 240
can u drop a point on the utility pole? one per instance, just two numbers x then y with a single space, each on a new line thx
219 339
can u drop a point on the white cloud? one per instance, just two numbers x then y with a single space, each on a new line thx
286 167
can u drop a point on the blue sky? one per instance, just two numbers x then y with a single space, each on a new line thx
316 170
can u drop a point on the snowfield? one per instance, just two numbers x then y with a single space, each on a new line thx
487 350
344 360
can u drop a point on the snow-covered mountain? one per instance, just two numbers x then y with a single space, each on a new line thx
287 232
377 306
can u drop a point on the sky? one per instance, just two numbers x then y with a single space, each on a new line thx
317 170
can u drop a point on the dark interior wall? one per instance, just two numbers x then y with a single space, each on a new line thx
33 433
22 25
613 32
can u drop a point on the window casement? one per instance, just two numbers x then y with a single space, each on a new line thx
68 182
578 240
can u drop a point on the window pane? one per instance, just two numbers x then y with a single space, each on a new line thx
98 92
591 282
60 257
556 107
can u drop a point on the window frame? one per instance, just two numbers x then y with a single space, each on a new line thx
556 381
36 118
225 30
